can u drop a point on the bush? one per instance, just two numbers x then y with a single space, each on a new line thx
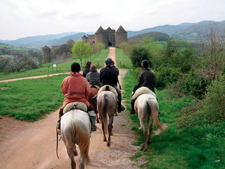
138 54
213 104
15 63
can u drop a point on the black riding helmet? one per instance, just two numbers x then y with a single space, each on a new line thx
108 61
75 67
144 64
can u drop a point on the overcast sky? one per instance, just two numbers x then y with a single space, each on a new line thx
23 18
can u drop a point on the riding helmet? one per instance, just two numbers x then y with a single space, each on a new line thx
144 64
75 67
108 61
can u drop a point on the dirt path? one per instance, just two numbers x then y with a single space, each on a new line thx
32 145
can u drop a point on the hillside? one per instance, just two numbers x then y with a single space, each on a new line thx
156 35
184 31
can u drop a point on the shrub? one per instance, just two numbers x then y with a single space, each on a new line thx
213 104
138 54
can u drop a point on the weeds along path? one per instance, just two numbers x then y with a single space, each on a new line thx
33 145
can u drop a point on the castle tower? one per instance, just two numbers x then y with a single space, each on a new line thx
100 36
120 36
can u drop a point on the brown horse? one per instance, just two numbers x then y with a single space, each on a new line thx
93 101
107 106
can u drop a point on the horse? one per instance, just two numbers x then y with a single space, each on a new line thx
146 106
107 104
76 129
93 101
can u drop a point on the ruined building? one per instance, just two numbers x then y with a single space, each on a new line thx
108 37
50 54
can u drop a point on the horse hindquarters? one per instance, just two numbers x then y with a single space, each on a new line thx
75 129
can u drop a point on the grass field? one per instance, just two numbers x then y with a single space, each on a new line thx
31 99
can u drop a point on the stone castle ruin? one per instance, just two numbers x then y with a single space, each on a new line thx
108 37
51 54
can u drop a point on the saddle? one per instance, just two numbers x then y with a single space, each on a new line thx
95 86
75 105
142 90
108 88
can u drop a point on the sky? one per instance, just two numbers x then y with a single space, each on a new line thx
24 18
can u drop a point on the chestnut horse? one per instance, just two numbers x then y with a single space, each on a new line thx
93 101
107 106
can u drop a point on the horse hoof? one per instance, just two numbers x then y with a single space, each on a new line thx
108 144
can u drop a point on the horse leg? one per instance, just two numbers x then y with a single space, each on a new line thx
81 166
150 132
110 129
103 129
70 153
69 143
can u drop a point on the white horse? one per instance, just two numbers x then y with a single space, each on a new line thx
76 129
146 106
107 104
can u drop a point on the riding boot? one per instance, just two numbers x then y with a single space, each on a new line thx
93 127
59 121
132 106
92 116
120 106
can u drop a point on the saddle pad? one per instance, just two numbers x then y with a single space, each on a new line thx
142 90
112 89
95 86
75 105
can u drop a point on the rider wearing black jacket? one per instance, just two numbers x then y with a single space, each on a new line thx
108 76
146 79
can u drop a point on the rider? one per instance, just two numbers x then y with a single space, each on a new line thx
146 79
108 76
93 77
117 72
76 89
86 68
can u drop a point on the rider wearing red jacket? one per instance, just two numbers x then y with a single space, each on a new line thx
76 89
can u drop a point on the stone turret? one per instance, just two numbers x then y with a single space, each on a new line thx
100 36
120 36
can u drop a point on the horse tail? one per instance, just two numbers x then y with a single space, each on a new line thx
104 113
154 109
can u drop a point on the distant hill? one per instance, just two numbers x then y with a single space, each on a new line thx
184 31
156 35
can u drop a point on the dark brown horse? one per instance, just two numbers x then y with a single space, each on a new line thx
93 101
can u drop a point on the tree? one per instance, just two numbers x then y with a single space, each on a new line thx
81 50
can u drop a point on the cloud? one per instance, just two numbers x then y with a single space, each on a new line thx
21 18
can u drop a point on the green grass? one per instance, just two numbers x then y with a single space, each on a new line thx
31 99
194 147
125 61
